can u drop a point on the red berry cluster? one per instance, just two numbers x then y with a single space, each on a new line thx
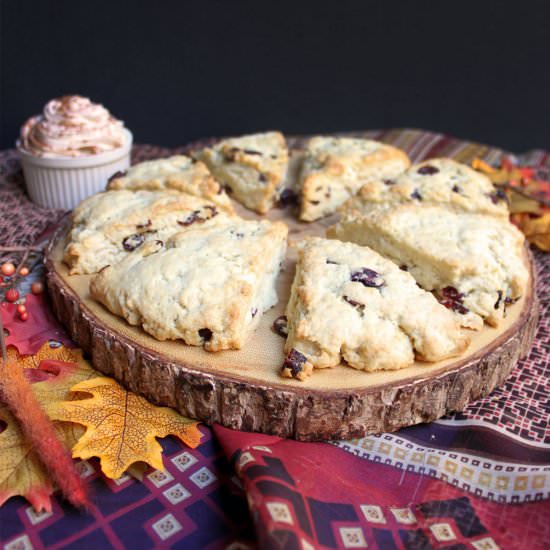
23 313
9 278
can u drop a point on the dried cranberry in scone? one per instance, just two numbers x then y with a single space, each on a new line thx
428 170
367 277
280 326
295 365
452 299
131 242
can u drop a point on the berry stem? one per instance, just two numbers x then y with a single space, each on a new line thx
21 249
21 264
3 342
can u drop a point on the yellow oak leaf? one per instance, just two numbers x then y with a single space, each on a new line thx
521 204
537 230
122 427
137 470
67 367
21 471
59 387
47 352
482 166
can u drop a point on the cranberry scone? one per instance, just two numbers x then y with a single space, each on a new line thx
474 263
335 168
180 173
207 286
436 181
252 168
109 225
348 302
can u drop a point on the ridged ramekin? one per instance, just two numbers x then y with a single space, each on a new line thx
62 182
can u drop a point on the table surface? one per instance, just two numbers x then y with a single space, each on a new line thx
476 479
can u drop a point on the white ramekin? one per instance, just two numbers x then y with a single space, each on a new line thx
62 182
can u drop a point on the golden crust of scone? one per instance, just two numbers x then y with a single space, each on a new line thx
334 169
252 167
440 181
178 173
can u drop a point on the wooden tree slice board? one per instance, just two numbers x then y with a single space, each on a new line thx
243 389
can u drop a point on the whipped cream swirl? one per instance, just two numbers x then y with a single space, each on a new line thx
72 126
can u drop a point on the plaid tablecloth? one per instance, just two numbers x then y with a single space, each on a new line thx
479 479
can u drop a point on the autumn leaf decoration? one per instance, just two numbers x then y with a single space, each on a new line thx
121 426
60 378
34 450
529 198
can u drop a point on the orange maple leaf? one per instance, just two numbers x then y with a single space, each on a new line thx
122 427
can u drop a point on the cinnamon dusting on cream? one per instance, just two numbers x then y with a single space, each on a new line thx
72 126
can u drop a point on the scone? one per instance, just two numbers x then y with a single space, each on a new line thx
179 172
473 262
208 286
252 167
348 302
334 169
109 225
436 181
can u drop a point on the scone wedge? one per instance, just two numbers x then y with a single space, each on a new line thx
108 226
179 173
348 302
252 168
207 286
440 181
335 168
474 263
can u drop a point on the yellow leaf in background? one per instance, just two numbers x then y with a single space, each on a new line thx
482 166
497 176
537 230
21 472
521 204
121 426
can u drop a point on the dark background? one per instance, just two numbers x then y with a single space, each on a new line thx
175 71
